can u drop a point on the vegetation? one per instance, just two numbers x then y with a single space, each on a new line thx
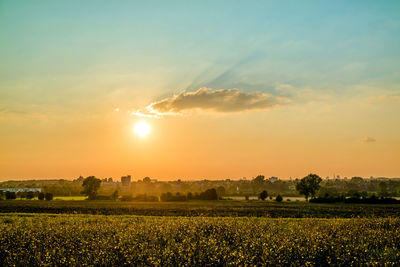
309 185
33 240
41 196
91 185
293 209
251 187
263 195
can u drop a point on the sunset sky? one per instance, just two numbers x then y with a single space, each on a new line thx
229 89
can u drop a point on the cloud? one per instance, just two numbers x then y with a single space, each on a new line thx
5 114
206 99
368 139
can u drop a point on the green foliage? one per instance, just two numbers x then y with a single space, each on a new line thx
90 187
115 195
48 196
73 240
382 189
309 185
30 195
41 196
294 209
263 195
279 198
11 195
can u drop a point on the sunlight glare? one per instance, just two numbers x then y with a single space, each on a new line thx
142 128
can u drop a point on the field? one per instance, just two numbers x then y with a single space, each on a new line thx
43 239
228 208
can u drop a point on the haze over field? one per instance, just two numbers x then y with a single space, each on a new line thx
195 90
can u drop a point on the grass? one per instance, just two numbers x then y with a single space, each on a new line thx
43 239
229 208
70 198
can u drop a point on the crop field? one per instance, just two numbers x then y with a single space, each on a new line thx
229 208
44 239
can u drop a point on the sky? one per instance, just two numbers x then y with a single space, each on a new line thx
229 89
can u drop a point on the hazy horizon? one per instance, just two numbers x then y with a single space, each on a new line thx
199 90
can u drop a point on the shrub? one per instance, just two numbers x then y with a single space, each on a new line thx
11 195
48 196
41 196
279 198
263 195
30 195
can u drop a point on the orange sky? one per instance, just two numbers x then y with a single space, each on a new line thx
228 91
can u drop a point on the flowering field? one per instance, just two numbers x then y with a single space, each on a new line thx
43 239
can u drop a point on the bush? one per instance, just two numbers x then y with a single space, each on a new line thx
30 195
279 198
263 195
11 195
48 196
209 194
41 196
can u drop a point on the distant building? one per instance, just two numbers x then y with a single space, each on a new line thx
19 190
126 180
273 179
292 187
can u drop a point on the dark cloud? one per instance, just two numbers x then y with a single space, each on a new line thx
222 100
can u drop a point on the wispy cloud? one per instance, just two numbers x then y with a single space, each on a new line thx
368 139
206 99
5 113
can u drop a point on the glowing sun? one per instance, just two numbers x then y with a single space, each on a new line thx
142 128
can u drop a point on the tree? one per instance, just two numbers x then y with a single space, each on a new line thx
115 195
30 195
11 195
382 189
90 186
48 196
279 198
263 195
41 196
221 191
309 185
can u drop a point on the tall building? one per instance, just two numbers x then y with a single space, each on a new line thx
126 180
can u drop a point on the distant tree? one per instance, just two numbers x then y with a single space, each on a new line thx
11 195
354 194
90 186
263 195
115 195
279 198
41 196
309 185
30 195
189 196
221 191
48 196
382 189
259 180
209 194
246 197
146 180
364 194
